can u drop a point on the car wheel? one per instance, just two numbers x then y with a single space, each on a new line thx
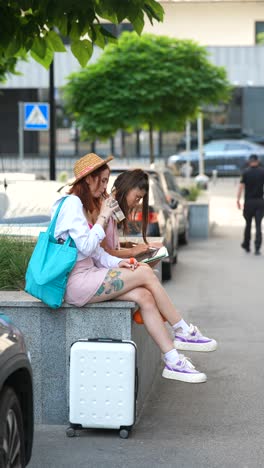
12 454
184 237
175 259
166 271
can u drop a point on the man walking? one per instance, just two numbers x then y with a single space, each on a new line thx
252 183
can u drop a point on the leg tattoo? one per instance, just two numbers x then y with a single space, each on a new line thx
112 283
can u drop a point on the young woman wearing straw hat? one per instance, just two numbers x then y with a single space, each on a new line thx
98 276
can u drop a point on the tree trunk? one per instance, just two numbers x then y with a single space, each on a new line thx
93 147
112 145
138 149
123 144
160 144
151 146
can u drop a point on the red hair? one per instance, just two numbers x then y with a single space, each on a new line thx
82 190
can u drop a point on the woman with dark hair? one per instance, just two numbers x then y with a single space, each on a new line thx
130 188
99 276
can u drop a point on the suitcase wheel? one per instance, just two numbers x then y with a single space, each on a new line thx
124 433
70 432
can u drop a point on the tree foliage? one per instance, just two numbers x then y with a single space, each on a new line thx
37 26
147 80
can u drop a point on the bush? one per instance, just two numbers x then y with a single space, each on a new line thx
194 193
14 257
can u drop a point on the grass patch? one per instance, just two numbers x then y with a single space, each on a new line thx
14 257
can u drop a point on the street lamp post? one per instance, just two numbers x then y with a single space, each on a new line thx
188 149
201 179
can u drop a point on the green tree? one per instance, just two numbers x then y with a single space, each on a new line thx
151 81
37 26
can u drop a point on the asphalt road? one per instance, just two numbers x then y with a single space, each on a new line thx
217 424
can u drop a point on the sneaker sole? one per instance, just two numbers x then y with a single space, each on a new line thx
203 347
189 378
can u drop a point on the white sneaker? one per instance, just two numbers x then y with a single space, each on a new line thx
193 340
184 371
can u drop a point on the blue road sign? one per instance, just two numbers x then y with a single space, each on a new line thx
36 116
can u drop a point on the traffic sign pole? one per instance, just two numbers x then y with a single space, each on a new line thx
52 130
21 132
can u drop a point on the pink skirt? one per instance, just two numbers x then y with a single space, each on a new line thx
84 280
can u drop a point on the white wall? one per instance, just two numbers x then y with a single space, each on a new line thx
220 23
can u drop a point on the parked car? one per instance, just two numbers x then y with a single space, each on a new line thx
174 196
28 201
162 221
228 157
16 398
221 132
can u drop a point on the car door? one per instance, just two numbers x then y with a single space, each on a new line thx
214 155
168 219
182 206
237 154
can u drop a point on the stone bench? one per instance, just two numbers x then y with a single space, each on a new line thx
49 334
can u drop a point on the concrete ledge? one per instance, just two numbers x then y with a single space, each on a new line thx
199 219
49 335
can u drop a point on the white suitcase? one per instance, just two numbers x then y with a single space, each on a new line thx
103 385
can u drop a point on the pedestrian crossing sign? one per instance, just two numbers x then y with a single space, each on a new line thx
36 116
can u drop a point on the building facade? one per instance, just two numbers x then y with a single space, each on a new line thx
230 30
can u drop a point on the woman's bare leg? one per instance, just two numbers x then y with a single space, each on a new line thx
123 284
119 281
151 316
150 313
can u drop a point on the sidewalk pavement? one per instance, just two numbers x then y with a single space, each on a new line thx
217 424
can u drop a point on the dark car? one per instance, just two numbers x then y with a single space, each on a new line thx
175 199
227 157
162 221
16 398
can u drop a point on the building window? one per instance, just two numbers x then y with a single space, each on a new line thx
114 29
259 32
117 29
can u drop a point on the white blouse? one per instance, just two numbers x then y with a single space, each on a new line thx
72 222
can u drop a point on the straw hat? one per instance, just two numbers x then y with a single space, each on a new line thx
87 164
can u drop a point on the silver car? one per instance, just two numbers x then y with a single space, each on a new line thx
175 199
227 157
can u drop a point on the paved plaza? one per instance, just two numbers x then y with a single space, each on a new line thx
218 424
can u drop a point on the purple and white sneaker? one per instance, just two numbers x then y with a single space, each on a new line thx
193 340
184 371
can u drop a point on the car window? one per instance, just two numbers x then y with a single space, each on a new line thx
156 194
215 146
110 184
154 177
170 181
236 146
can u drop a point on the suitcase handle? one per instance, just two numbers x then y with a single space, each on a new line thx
103 340
136 383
